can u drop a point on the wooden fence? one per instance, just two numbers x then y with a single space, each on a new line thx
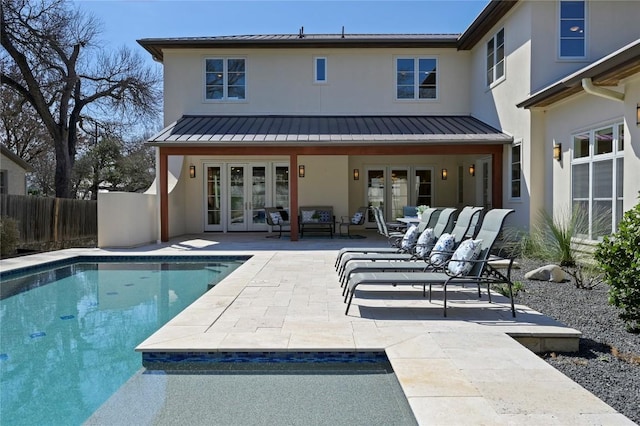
52 222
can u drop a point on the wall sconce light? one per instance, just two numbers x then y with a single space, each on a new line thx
444 174
557 151
301 171
638 115
472 170
192 171
356 174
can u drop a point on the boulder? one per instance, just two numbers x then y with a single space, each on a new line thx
546 273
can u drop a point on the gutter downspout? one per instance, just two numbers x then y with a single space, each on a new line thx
588 87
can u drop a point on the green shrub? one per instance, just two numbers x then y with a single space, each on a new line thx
619 257
9 236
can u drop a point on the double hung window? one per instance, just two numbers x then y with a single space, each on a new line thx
597 170
225 79
573 29
416 78
495 58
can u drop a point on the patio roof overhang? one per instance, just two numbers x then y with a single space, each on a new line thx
608 71
328 131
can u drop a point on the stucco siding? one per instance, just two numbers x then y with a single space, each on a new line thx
610 25
126 219
281 82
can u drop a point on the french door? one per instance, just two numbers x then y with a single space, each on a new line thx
237 193
247 197
392 188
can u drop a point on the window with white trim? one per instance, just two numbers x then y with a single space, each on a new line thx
225 79
320 70
495 58
416 78
597 170
573 29
516 169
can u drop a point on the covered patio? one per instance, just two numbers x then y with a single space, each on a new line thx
293 137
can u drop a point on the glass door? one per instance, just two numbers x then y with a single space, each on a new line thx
236 215
375 192
247 197
423 187
399 195
281 187
213 201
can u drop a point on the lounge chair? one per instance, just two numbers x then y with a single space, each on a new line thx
377 262
394 239
444 225
457 272
346 222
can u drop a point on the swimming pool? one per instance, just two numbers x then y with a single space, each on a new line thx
68 333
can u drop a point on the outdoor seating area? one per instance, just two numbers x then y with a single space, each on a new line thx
316 219
448 261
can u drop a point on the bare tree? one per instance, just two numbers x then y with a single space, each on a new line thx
63 72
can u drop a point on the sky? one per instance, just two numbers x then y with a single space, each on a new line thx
126 21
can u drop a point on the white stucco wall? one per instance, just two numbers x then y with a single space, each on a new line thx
126 219
587 112
324 183
16 181
360 81
611 24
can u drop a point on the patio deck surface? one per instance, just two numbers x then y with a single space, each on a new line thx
466 369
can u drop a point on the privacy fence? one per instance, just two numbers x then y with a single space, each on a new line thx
51 223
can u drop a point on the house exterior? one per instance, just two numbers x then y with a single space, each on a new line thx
391 120
13 173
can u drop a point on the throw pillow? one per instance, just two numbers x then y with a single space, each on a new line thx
443 249
324 216
426 240
409 238
356 218
307 216
276 218
468 250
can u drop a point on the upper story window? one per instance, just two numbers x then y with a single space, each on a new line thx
495 58
320 70
416 78
225 79
572 29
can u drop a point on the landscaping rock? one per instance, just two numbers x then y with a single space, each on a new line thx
547 273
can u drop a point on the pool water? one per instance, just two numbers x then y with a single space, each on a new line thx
67 335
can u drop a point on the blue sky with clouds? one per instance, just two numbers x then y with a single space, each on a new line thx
126 21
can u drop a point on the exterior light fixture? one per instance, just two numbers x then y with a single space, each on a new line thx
301 171
356 174
638 115
472 170
557 151
444 174
192 171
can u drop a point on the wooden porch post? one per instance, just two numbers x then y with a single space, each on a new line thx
496 184
293 181
164 197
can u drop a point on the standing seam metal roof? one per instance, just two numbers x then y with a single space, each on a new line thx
241 130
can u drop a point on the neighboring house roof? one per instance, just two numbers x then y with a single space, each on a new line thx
607 71
156 45
325 130
13 157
